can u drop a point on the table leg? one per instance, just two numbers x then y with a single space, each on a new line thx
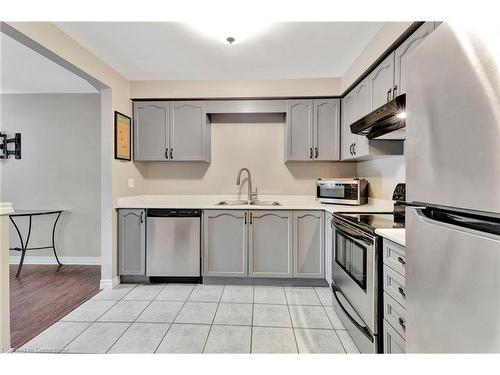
23 245
53 239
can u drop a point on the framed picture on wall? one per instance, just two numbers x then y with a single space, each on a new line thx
123 129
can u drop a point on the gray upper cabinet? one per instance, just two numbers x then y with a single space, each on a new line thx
326 129
225 250
299 130
189 132
308 245
404 50
348 117
151 136
132 242
270 244
312 130
171 131
382 82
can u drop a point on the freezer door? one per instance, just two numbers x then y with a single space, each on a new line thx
453 287
453 119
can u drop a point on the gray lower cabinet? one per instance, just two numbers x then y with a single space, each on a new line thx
132 241
171 131
225 249
394 296
270 243
328 247
308 244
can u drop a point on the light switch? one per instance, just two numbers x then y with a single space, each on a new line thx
131 183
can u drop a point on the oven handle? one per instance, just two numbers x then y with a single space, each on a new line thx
364 330
351 233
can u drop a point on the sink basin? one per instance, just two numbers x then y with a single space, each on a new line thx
236 202
265 203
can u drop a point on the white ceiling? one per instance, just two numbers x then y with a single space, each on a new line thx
26 71
175 51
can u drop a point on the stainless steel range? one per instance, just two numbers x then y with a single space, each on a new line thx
357 272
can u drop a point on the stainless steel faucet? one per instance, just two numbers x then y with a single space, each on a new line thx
252 196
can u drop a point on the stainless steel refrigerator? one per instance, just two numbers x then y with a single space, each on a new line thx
453 173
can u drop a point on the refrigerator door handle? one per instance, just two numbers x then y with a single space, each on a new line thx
465 222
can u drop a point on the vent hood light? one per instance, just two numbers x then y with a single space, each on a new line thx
401 115
229 33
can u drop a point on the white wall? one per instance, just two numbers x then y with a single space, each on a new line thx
383 174
59 169
252 141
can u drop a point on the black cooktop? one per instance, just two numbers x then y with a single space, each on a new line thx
370 221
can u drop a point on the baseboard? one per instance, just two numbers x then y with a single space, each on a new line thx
91 261
109 283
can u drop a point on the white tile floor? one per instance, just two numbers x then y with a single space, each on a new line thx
181 318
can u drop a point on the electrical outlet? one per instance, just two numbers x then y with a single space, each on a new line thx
131 183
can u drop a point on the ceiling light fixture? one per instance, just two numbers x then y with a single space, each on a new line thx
229 32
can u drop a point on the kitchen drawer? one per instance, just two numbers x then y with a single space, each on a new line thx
395 314
394 256
393 342
394 285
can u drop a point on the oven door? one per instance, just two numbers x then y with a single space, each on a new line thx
354 270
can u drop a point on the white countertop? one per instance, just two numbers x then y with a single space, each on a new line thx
394 234
288 202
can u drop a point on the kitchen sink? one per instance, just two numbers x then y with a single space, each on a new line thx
236 202
265 203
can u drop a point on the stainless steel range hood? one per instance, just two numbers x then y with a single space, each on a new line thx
385 122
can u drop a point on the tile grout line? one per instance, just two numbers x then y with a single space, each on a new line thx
291 322
213 319
130 325
91 323
333 326
251 327
175 317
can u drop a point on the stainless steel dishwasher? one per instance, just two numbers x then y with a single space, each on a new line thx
173 243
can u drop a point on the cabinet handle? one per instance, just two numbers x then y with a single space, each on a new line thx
331 223
142 217
394 91
402 323
166 153
354 148
389 95
245 218
251 218
402 291
402 261
310 152
316 152
350 149
171 153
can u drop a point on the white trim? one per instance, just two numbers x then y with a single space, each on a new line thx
51 260
6 208
109 283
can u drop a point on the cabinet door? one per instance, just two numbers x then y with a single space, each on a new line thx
225 243
382 82
348 117
326 129
270 243
393 343
308 244
188 131
299 129
362 93
328 247
151 137
404 50
132 241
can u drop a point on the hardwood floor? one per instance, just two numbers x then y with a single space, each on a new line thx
44 294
